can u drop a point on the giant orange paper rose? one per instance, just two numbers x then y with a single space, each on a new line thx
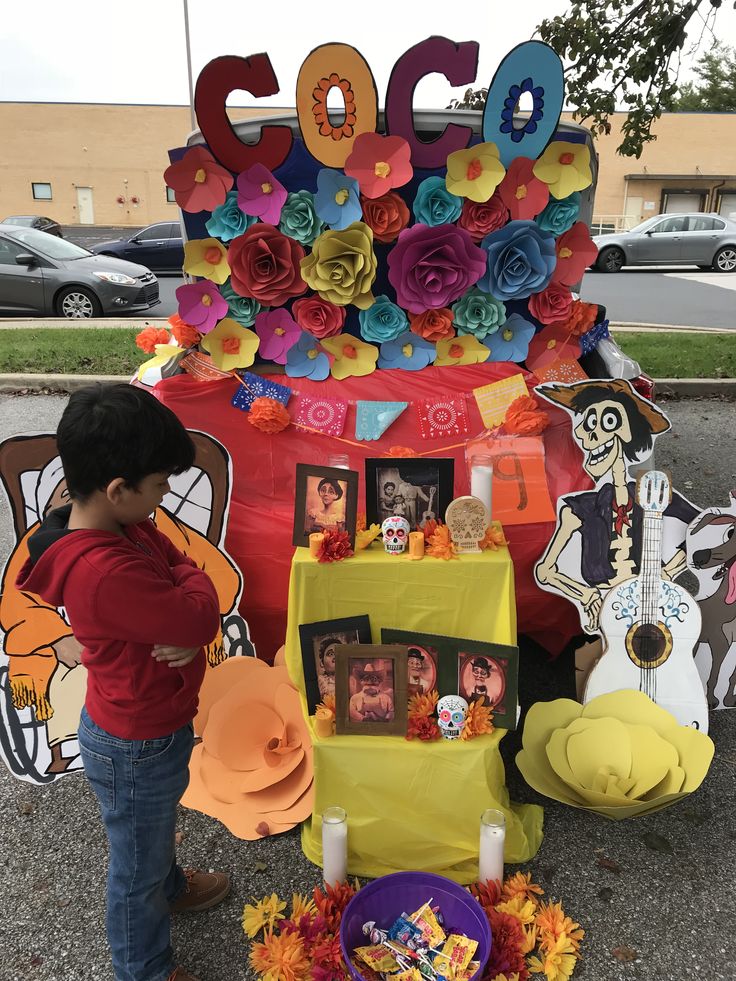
253 769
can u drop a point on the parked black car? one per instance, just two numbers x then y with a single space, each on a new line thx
160 247
47 225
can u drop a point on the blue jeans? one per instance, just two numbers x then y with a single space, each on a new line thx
138 783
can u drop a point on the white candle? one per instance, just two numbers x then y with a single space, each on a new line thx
492 837
334 846
481 482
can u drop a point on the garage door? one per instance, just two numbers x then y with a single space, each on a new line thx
679 204
727 206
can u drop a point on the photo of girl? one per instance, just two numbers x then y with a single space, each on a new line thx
325 504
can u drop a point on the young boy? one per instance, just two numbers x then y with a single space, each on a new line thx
142 612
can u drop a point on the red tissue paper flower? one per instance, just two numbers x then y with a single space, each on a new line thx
552 305
199 183
149 337
575 252
318 317
386 216
523 194
335 546
379 163
581 318
268 415
480 219
264 264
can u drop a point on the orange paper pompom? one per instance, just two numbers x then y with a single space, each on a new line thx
184 333
268 415
581 318
401 451
149 337
525 418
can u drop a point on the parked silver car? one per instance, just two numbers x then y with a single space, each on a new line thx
41 275
704 240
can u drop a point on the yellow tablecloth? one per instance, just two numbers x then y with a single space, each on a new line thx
411 805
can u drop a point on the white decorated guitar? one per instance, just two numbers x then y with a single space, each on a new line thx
651 625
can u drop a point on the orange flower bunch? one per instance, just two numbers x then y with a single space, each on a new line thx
494 538
184 334
149 337
525 418
421 723
335 546
478 721
439 543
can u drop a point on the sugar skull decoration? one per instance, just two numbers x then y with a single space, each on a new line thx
467 521
395 534
452 711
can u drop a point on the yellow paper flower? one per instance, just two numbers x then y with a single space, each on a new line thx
461 350
342 266
364 537
280 957
565 167
265 913
620 755
164 353
352 356
230 345
474 173
208 258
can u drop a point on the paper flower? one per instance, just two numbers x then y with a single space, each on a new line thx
379 163
199 183
551 344
559 215
511 342
460 350
480 219
552 305
474 173
206 257
433 325
432 267
564 167
385 216
335 546
151 337
438 541
268 415
523 193
265 914
509 108
228 220
621 755
479 719
184 334
260 194
342 266
337 200
575 252
306 359
230 345
407 351
163 354
383 321
244 309
524 417
353 357
254 765
299 218
521 259
265 265
494 537
318 317
277 332
280 955
434 205
201 305
581 318
478 313
365 536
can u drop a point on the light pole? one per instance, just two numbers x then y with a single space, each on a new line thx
189 66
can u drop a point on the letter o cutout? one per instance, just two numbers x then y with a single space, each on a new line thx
327 67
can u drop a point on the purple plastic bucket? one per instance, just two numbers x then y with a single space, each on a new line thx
385 899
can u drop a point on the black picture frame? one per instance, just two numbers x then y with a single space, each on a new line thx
432 484
310 636
306 474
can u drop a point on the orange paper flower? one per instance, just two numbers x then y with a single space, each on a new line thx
150 337
403 452
335 546
581 318
439 544
422 705
184 333
269 415
494 538
433 325
525 418
282 956
478 721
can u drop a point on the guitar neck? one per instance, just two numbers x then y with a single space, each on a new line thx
650 570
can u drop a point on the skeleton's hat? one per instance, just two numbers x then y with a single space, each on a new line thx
564 395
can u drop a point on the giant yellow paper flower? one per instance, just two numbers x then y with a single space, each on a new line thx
565 167
620 755
352 356
230 345
206 257
342 266
461 350
474 173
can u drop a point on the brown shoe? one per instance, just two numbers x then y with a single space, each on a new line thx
181 975
204 890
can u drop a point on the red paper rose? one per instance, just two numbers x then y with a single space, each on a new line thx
482 219
575 252
552 305
430 267
385 216
264 264
433 325
318 317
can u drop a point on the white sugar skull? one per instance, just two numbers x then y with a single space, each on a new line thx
452 711
395 534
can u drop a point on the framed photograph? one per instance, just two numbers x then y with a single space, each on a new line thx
326 498
416 489
371 691
319 642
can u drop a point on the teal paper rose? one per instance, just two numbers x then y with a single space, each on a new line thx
434 205
240 308
383 321
559 216
478 313
228 221
299 220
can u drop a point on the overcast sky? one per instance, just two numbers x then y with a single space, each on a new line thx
134 50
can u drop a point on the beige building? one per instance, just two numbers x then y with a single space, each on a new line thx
93 164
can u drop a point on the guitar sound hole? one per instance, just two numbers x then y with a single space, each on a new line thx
648 643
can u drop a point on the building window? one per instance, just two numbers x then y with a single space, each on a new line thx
41 191
170 195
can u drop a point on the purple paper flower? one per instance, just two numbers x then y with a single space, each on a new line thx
260 194
278 332
431 267
521 260
201 305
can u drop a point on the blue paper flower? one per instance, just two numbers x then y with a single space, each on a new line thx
559 216
511 342
521 259
337 200
434 205
407 351
383 321
510 104
305 360
299 219
478 313
241 308
227 220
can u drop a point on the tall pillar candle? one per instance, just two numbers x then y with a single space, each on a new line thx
416 544
492 838
481 481
334 846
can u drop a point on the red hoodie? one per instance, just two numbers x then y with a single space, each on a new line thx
123 595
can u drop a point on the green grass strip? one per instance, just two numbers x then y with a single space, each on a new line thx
70 351
679 354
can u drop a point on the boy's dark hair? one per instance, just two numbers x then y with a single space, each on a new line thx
109 431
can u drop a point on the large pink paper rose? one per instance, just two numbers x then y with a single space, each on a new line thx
430 267
264 264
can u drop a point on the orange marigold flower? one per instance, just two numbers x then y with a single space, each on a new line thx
494 538
149 337
520 884
439 545
430 527
478 721
422 705
552 922
280 957
423 727
184 334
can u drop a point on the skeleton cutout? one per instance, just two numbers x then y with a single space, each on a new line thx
466 519
452 711
395 534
